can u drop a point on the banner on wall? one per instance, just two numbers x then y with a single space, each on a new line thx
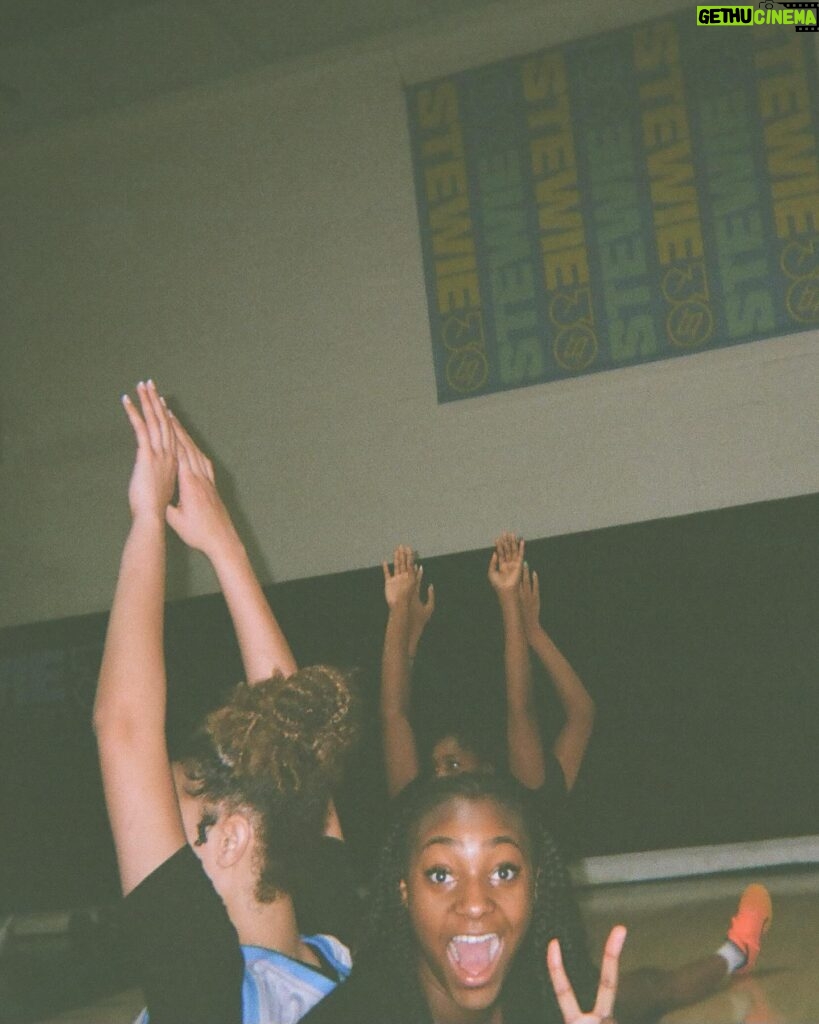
638 195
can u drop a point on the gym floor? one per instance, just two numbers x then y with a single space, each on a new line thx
670 923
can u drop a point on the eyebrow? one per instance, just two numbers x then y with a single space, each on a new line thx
494 841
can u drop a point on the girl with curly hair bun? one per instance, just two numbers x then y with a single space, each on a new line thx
213 850
470 896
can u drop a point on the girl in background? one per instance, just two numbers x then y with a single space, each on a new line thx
553 772
645 994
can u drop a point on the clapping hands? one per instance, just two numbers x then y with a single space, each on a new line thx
153 478
167 456
199 517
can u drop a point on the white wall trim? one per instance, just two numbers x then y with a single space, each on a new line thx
695 860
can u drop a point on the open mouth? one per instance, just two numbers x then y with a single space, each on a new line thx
473 957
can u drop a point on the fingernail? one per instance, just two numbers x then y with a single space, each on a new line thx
125 399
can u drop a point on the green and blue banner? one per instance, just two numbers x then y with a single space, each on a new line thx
633 196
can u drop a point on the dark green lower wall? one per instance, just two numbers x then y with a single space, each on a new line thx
697 637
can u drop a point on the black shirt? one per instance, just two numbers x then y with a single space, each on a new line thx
186 951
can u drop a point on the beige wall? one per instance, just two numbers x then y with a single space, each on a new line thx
254 247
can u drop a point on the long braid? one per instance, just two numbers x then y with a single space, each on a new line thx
556 916
388 942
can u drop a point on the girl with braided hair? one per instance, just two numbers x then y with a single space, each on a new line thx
212 850
647 994
471 893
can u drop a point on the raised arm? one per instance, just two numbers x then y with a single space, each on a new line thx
525 746
406 609
573 739
129 711
202 521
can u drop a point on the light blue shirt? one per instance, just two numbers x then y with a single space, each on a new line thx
278 990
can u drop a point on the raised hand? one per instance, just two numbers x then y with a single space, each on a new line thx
530 601
420 611
603 1010
154 474
506 563
402 593
400 584
200 517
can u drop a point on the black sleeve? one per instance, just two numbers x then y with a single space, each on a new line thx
184 947
367 997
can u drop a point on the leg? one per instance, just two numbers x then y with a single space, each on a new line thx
645 995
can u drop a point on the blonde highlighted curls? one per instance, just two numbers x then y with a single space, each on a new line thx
285 728
277 748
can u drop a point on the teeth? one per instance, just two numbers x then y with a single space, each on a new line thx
490 937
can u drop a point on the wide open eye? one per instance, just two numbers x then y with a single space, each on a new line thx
438 875
506 872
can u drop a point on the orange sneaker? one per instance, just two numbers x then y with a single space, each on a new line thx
749 924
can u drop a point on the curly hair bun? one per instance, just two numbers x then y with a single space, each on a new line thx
287 728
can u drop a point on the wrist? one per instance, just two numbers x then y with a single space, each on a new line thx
393 711
228 559
144 519
225 549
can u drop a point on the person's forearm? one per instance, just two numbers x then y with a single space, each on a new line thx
572 694
571 742
524 743
129 712
519 687
400 754
131 687
413 639
262 643
396 664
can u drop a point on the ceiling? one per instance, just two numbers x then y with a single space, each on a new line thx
61 59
